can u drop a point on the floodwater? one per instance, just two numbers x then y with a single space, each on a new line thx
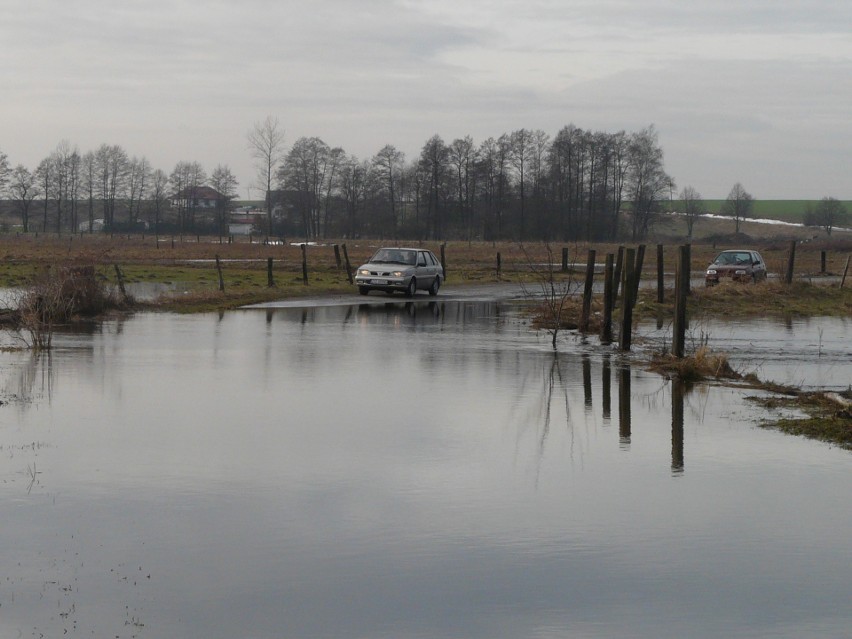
401 469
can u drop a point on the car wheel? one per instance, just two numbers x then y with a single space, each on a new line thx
412 288
363 290
436 284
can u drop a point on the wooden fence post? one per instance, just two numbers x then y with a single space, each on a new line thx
270 281
822 262
444 260
304 263
845 272
606 323
348 266
788 278
120 277
587 291
337 256
637 274
619 267
660 274
564 259
625 338
679 324
219 271
499 265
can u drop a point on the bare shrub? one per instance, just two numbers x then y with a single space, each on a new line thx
59 296
554 294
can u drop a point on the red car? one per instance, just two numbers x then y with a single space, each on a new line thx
740 265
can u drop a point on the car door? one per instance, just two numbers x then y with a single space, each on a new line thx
759 266
426 267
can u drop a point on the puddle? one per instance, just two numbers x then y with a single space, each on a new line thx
417 469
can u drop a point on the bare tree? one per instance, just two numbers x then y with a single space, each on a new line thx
647 181
223 180
112 164
304 172
159 196
186 179
521 151
693 206
434 164
65 174
387 167
462 159
539 144
90 183
336 158
266 143
493 167
138 175
352 183
23 189
738 205
828 213
44 175
5 171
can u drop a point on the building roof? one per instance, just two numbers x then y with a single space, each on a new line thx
198 193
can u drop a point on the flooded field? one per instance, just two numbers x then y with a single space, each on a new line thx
398 469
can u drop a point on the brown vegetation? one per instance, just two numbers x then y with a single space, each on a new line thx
58 296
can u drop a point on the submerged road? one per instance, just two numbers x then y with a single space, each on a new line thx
466 293
497 291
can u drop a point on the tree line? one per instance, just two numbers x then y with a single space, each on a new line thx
522 185
70 190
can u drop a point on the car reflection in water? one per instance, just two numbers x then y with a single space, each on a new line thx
401 313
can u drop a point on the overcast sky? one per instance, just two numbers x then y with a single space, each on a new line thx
755 91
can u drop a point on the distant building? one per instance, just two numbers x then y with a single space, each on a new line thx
240 228
97 225
197 197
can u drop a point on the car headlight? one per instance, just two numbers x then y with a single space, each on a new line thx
740 271
711 271
363 271
399 273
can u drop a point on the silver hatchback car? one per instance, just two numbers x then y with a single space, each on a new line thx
400 269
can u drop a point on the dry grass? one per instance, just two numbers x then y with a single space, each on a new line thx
771 299
191 261
825 419
702 364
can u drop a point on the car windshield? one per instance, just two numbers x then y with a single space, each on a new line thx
394 256
733 257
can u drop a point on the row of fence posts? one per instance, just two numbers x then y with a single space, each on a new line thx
626 272
270 277
270 280
623 270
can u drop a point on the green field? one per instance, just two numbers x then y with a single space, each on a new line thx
785 210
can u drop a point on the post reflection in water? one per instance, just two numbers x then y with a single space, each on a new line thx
606 387
587 381
678 392
624 404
